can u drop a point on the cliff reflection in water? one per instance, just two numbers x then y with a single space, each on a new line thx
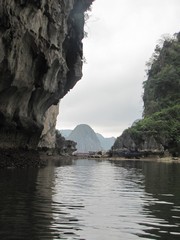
91 200
25 204
162 184
27 210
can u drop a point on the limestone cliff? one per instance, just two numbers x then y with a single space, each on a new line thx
129 146
40 61
159 130
48 135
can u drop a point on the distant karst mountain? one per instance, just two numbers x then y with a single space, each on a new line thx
83 136
65 132
86 139
106 143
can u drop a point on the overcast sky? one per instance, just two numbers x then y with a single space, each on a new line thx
122 35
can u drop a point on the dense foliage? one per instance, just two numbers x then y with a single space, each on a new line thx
164 126
162 88
161 99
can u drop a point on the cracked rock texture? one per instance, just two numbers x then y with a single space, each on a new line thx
40 61
126 143
48 135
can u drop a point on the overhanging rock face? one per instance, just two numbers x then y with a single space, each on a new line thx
40 61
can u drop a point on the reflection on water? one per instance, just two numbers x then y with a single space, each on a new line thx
91 200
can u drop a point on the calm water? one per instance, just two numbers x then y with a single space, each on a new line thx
91 200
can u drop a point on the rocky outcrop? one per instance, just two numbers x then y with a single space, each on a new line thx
40 61
158 132
128 146
63 146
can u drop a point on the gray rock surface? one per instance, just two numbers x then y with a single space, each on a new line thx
48 135
40 61
147 144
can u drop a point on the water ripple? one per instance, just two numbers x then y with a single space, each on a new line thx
91 200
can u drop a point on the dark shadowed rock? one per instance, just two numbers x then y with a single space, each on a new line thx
9 158
40 61
127 146
64 146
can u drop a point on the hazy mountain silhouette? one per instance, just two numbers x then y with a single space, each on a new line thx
105 143
65 132
86 139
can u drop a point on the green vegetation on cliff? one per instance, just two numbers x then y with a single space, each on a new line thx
162 88
164 126
161 117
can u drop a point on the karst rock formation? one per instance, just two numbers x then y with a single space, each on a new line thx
40 61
